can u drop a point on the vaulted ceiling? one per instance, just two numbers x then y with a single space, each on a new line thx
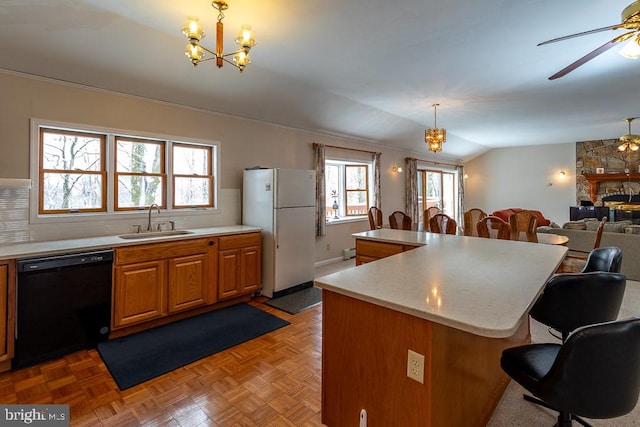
365 69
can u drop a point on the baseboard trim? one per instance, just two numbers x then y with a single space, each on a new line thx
328 261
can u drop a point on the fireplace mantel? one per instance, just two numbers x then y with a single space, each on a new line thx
595 178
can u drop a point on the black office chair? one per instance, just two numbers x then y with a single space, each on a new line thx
572 300
604 259
595 373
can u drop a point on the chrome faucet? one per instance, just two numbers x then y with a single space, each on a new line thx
150 208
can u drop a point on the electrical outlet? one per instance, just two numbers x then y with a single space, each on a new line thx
415 366
363 418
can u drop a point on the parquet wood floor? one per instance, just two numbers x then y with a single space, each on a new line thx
273 380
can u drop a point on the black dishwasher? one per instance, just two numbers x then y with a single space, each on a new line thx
63 305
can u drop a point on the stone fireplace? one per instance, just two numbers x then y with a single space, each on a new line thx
604 155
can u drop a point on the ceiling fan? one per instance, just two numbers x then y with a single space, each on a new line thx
630 21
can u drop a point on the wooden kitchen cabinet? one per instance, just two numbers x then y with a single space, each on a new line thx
187 282
139 293
368 251
159 279
239 264
7 312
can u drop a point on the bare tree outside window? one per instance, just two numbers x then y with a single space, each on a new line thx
140 173
78 170
72 171
192 176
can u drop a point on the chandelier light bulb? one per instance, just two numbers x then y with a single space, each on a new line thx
631 50
192 29
245 37
194 52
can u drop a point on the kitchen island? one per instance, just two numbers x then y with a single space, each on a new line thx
458 301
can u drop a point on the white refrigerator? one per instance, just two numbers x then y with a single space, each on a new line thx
282 203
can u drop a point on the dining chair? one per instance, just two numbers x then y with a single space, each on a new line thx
426 216
375 218
569 301
443 224
400 221
575 260
493 227
524 222
604 259
471 218
595 373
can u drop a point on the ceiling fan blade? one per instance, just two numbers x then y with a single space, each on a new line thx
589 56
584 33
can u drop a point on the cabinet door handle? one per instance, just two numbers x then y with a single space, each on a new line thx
211 243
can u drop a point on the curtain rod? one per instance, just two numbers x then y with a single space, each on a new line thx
432 162
316 145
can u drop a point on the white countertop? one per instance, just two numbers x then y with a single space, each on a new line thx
481 286
31 249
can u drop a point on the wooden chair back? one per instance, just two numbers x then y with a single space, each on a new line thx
492 227
524 222
375 218
426 216
443 224
599 231
471 218
400 221
576 259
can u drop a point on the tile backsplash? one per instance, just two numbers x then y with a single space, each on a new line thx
15 226
14 215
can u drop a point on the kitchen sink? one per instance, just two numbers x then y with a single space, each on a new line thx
152 234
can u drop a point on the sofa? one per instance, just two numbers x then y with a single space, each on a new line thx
504 215
620 234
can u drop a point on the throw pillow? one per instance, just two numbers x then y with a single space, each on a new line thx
575 225
610 227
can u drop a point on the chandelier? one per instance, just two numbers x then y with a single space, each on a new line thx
629 141
435 137
196 52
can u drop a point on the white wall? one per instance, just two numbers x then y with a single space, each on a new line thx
509 177
243 143
524 177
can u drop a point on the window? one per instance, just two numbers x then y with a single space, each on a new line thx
347 187
88 171
437 188
192 178
140 178
72 172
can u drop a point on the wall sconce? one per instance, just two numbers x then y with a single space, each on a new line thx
562 174
465 176
397 168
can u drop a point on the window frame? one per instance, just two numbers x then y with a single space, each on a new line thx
35 217
359 190
162 174
422 185
343 215
209 176
102 170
